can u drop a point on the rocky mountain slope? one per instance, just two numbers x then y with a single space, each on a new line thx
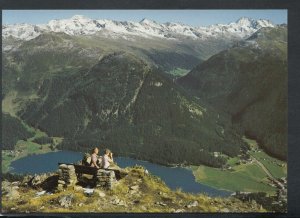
137 192
249 81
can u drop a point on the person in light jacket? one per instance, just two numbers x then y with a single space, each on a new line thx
107 159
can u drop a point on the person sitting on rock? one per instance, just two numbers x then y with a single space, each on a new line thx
94 158
107 159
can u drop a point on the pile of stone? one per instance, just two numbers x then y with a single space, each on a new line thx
66 176
105 179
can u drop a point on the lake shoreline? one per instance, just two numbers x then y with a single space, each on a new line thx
174 177
212 183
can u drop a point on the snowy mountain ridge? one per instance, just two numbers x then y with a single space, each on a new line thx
81 25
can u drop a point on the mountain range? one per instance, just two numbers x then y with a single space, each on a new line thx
169 93
80 25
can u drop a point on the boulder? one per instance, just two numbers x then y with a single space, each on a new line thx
10 190
16 183
5 187
179 211
117 201
161 203
40 180
66 201
192 204
99 193
133 192
225 210
36 181
134 187
77 188
13 194
63 166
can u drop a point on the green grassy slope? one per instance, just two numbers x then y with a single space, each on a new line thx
250 178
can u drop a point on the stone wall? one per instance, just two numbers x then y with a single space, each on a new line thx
105 179
66 176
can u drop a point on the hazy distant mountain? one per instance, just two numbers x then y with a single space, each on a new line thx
249 81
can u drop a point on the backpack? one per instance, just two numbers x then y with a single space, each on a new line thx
86 160
99 161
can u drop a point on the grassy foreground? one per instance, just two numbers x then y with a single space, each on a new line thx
137 192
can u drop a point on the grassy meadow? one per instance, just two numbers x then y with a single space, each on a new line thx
248 177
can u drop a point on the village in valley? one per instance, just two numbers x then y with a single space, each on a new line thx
272 167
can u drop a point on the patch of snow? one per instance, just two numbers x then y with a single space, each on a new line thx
88 191
40 193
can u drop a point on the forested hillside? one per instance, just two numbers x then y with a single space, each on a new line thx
13 131
136 110
249 81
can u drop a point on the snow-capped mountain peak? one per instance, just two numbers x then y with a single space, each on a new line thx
245 21
147 21
249 22
79 17
264 23
81 25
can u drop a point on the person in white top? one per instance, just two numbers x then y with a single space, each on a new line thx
107 159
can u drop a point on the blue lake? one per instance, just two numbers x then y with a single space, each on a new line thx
174 177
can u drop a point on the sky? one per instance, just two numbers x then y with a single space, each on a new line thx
190 17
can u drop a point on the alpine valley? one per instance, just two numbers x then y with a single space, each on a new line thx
168 93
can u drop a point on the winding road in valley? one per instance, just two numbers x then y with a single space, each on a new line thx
267 172
253 143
